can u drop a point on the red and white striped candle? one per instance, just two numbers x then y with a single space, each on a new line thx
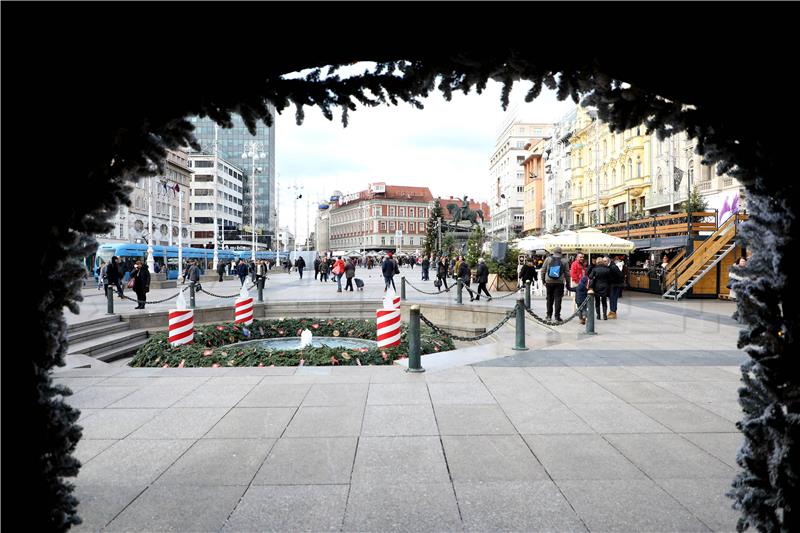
243 310
388 327
181 327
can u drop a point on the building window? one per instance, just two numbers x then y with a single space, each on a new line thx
638 167
391 225
613 178
203 164
520 188
402 211
391 211
630 168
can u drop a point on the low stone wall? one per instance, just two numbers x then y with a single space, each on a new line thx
455 314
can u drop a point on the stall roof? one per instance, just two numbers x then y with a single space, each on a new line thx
659 248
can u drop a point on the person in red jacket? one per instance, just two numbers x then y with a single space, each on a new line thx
577 270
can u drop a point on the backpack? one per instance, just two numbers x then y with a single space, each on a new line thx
396 267
554 270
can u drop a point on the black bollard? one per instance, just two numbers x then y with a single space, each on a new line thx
261 289
191 295
590 314
528 294
414 363
403 288
459 285
519 345
110 297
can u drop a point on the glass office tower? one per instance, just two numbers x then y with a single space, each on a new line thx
232 144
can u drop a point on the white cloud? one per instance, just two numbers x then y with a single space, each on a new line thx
445 146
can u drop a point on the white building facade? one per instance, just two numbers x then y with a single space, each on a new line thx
507 176
558 176
130 222
217 193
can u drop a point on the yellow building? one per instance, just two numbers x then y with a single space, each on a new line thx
609 170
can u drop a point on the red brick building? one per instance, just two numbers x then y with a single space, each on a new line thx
382 217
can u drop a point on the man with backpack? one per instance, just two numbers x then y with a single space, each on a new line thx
389 268
555 275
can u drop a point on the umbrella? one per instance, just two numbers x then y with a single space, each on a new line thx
589 240
531 244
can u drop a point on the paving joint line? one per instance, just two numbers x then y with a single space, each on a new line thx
444 454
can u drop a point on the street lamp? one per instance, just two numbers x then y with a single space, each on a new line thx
255 150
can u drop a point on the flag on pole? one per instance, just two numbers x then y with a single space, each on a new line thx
175 190
678 177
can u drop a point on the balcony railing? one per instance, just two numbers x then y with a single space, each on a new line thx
663 225
704 186
727 182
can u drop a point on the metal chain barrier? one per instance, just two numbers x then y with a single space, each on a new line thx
223 296
156 301
509 294
426 292
555 323
440 331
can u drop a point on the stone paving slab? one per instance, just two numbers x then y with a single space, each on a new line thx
162 508
491 458
133 462
333 394
387 460
398 420
544 418
343 421
705 498
579 456
99 503
215 395
685 417
398 393
473 420
618 417
269 394
410 507
218 462
628 505
116 423
459 393
87 449
515 506
309 461
252 423
180 423
290 508
723 446
669 456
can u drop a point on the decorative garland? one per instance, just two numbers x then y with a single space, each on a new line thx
211 349
770 478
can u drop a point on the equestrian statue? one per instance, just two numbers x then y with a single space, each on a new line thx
463 212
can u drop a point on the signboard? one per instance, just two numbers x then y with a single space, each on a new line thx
377 188
349 198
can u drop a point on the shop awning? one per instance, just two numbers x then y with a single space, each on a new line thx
659 248
589 240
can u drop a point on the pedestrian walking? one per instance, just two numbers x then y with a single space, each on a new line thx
300 263
389 268
482 277
528 273
114 274
241 270
221 269
441 274
465 275
338 271
317 262
555 276
617 282
581 292
350 273
426 265
324 270
141 282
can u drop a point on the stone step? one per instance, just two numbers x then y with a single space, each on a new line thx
93 346
120 351
91 323
461 330
100 330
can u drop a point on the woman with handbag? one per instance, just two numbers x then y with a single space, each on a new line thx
140 282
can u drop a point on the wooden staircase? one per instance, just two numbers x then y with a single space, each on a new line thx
689 270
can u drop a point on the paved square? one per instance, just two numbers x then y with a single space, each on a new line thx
630 430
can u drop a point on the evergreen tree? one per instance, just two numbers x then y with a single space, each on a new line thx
431 233
695 202
475 246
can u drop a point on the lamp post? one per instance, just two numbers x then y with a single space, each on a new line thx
216 184
254 151
150 260
180 234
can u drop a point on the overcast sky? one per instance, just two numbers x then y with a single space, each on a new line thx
445 146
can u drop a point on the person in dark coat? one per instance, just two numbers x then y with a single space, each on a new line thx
618 282
221 269
441 273
316 267
600 282
300 263
114 275
426 265
528 273
350 273
581 292
141 282
389 268
464 274
241 270
482 277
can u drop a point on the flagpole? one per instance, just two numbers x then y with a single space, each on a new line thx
180 234
216 184
169 231
150 261
671 176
